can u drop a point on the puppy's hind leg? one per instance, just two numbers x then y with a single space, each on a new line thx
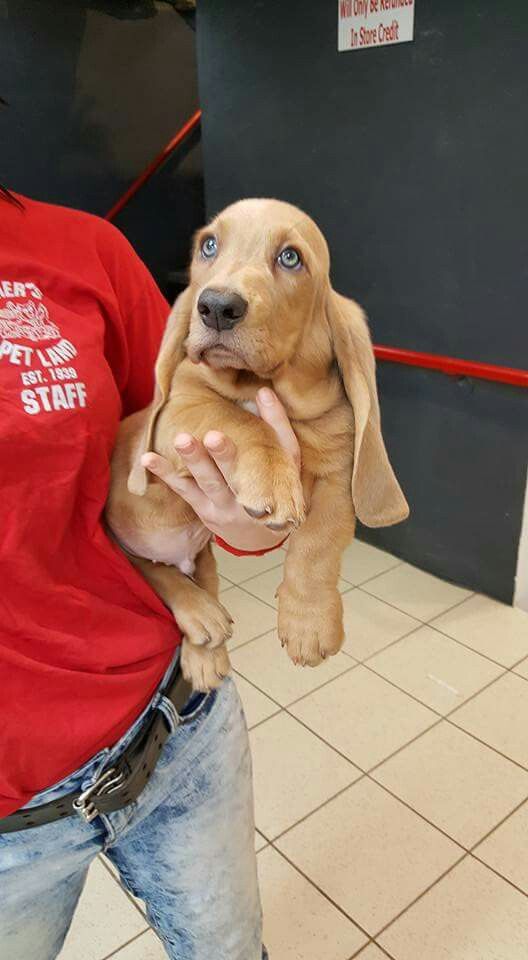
205 667
198 613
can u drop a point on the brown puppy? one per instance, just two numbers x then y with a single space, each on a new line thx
259 310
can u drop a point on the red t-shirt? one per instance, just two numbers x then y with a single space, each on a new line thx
84 641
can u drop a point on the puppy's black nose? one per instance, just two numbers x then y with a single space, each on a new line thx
221 309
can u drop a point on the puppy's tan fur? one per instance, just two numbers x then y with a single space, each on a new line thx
313 347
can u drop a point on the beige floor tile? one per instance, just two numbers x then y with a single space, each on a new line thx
266 664
371 624
491 628
369 853
506 850
522 669
265 586
372 952
104 919
363 716
455 782
257 706
415 592
224 584
299 923
435 669
251 616
110 866
470 915
146 947
499 717
293 773
362 562
237 569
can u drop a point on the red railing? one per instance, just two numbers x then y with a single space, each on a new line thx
453 366
428 361
149 171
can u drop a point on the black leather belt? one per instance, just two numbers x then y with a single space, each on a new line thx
120 784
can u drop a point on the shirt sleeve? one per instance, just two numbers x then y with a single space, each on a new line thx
145 323
135 331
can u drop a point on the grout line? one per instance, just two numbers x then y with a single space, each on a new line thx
244 643
497 825
466 646
371 942
322 739
368 775
501 876
392 643
371 770
419 897
418 814
259 723
303 696
343 673
255 575
341 910
423 702
424 623
280 835
243 586
447 717
497 874
517 664
127 944
488 745
350 589
361 949
477 694
421 623
470 854
254 597
411 696
375 576
117 880
383 950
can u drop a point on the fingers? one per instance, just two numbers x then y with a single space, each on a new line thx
184 486
271 410
204 469
223 451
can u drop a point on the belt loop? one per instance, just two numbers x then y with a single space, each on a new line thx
170 713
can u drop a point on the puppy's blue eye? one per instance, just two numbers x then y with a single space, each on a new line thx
290 259
209 247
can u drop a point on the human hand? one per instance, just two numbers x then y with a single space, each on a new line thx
211 463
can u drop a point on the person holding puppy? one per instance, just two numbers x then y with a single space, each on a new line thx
92 696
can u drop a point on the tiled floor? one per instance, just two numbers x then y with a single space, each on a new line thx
391 783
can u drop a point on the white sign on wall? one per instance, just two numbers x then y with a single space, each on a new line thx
374 23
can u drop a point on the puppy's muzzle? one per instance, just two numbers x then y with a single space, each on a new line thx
221 309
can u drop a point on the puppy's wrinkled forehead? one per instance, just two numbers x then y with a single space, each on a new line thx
256 227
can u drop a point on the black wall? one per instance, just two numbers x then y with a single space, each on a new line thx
413 159
96 89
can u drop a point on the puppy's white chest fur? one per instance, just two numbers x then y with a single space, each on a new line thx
249 405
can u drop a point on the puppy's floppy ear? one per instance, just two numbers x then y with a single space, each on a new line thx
376 494
171 353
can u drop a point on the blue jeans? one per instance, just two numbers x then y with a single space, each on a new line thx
185 846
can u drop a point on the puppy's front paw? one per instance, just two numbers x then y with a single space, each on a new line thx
203 620
203 667
268 486
310 630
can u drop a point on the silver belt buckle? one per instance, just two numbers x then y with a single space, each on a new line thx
109 782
